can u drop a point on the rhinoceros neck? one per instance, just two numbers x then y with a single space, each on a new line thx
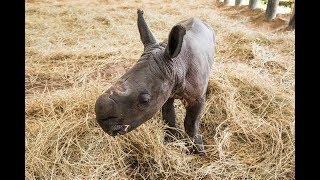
174 69
171 70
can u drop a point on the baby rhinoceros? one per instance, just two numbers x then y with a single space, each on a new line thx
176 69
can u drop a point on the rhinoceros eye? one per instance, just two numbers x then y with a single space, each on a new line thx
144 98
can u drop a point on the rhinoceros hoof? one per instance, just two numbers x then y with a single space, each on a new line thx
197 149
197 146
172 134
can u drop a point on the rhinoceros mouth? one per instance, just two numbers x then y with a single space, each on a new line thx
108 119
119 129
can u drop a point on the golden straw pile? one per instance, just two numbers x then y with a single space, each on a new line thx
76 49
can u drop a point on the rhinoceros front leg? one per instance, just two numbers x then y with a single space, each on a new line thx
191 125
169 117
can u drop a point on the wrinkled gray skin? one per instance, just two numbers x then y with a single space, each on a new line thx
179 70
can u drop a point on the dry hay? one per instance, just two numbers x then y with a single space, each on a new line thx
76 49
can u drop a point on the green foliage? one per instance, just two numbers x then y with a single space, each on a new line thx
264 1
281 3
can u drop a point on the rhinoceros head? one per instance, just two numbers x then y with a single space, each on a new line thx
141 91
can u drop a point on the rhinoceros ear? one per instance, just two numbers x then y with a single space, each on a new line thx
175 41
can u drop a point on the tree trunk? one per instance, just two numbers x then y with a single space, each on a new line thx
292 19
226 2
253 4
271 11
238 2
